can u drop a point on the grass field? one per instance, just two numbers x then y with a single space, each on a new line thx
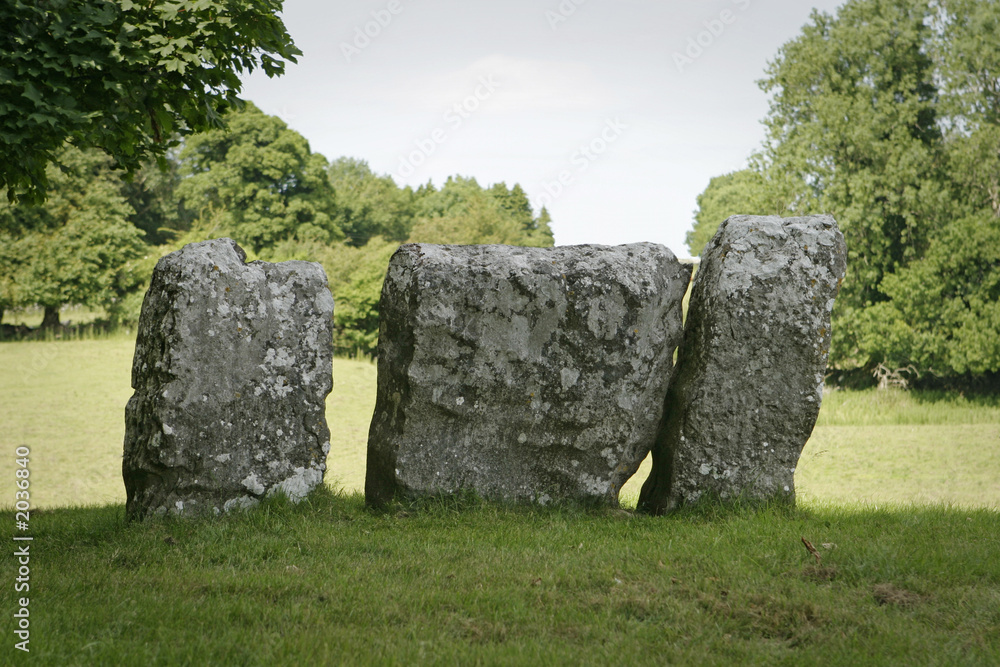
66 401
328 582
466 582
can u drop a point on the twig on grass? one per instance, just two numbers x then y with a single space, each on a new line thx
812 550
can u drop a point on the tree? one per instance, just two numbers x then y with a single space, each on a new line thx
885 116
369 205
123 76
257 181
543 230
735 193
515 203
462 212
8 261
152 194
853 117
967 48
77 247
942 313
357 298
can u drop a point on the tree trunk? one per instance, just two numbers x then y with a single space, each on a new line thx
50 320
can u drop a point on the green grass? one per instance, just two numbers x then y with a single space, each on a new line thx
894 446
895 407
957 464
328 582
467 582
349 412
66 400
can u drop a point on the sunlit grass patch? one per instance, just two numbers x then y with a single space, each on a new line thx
890 407
66 401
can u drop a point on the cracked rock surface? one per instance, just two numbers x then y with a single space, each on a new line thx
749 378
232 366
521 374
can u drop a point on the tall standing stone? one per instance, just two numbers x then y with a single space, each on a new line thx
233 362
749 377
521 374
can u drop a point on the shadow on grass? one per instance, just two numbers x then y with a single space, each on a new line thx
94 525
96 330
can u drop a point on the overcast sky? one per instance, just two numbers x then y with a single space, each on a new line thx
613 113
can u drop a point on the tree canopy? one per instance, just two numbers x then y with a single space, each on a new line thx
92 86
369 205
77 247
887 115
463 212
126 77
735 191
258 181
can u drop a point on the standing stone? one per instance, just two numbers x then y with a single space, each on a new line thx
749 378
521 374
233 362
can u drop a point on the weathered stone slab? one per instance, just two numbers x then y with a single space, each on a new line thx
233 362
521 374
749 378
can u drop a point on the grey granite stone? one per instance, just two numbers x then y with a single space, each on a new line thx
233 362
749 377
521 374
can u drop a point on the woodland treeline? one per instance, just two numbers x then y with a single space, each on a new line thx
96 238
887 115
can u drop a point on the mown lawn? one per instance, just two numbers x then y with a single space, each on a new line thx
66 401
466 582
329 582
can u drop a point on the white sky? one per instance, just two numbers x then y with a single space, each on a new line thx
536 81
